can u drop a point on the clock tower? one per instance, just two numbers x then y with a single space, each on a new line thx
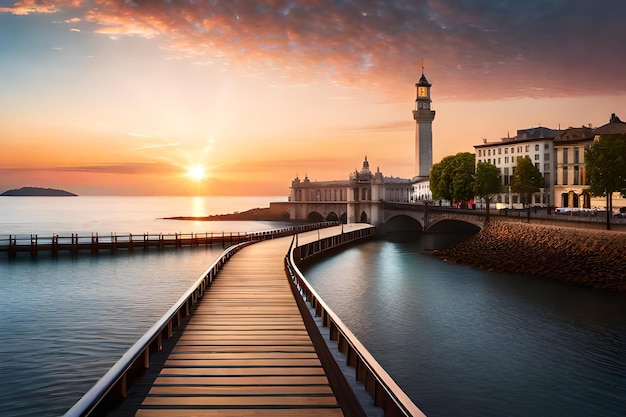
424 117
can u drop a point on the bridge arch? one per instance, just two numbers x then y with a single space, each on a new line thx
315 216
332 217
446 225
402 223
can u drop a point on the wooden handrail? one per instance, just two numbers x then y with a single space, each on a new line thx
113 386
379 385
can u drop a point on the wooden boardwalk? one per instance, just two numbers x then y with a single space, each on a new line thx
245 351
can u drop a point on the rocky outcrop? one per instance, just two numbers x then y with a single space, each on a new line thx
583 257
258 214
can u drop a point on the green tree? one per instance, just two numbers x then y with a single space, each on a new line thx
487 182
452 177
526 179
605 163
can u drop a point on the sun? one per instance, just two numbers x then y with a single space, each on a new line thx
196 172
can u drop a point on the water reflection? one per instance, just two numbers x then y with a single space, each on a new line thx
466 342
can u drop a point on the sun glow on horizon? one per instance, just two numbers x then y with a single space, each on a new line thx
196 172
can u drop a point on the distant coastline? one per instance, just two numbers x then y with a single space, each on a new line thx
37 192
275 212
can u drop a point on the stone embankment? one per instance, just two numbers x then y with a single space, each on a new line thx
583 257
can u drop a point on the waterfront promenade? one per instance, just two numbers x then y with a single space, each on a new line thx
247 349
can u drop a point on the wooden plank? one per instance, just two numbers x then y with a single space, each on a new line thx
248 348
243 371
242 401
241 390
278 339
301 412
242 362
243 380
243 355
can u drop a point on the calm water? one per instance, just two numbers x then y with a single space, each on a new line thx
65 322
464 342
460 342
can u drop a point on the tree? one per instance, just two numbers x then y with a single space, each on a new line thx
605 163
452 177
526 179
487 182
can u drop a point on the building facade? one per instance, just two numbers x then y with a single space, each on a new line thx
570 187
535 143
357 199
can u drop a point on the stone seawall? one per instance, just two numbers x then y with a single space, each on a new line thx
583 257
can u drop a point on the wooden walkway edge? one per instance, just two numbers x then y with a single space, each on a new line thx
247 351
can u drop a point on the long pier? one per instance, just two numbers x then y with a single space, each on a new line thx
245 342
74 243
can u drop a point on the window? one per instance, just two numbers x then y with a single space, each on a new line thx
480 152
537 147
546 156
546 179
576 153
499 151
575 174
506 159
546 167
526 148
537 165
564 175
498 161
536 157
506 176
565 158
512 149
506 151
546 146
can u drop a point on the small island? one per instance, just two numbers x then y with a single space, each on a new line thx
37 192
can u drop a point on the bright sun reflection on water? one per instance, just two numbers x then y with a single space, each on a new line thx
198 208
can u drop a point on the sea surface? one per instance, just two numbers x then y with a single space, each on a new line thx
459 341
66 321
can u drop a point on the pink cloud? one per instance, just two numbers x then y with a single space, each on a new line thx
474 49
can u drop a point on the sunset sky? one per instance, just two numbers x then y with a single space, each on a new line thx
123 97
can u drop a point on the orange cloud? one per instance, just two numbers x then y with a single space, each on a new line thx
478 50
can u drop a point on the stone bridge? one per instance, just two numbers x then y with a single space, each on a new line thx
420 217
391 216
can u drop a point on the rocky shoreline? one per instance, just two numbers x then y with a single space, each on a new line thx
255 214
588 258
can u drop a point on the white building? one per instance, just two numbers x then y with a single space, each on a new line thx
537 144
357 199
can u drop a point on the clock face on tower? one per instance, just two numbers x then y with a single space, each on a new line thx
422 91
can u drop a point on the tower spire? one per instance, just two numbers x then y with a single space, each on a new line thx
423 116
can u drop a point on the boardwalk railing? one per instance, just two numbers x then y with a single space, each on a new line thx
112 388
380 386
75 243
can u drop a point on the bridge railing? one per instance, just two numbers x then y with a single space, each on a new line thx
112 388
94 242
378 384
